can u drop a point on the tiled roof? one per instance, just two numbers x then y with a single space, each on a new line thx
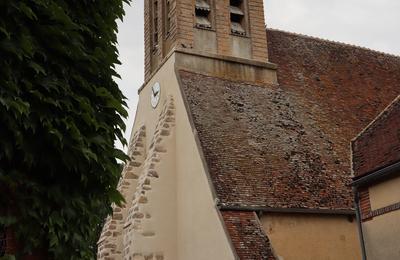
287 146
379 144
247 236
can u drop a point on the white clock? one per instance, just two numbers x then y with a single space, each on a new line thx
155 95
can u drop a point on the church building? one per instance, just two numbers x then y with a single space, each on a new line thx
240 147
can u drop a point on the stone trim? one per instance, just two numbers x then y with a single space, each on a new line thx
381 211
110 242
135 227
127 224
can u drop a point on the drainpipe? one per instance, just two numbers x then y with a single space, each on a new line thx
360 230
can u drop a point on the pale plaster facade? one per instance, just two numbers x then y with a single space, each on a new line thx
385 193
381 232
381 237
177 217
312 236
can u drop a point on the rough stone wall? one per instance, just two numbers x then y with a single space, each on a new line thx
128 224
379 145
223 27
139 213
110 242
185 18
147 39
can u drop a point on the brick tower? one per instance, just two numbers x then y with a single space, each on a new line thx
234 28
171 210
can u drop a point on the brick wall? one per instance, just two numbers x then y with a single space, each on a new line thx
364 203
185 24
182 30
379 145
257 30
223 27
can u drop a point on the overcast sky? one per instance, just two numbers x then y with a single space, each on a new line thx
370 23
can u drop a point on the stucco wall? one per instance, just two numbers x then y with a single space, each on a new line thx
312 236
197 225
381 237
385 193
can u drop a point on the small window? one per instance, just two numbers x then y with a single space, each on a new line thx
168 20
203 12
155 24
237 17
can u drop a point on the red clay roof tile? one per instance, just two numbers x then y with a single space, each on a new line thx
247 235
287 146
378 145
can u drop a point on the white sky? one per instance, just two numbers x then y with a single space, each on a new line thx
370 23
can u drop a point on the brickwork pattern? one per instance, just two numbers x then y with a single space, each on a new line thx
247 235
183 29
364 203
379 145
147 39
257 30
185 18
382 211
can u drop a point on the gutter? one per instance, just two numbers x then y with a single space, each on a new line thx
360 229
377 175
349 212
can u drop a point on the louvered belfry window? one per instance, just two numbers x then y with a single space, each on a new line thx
168 17
155 24
237 10
203 14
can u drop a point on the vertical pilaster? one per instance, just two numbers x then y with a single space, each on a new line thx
223 27
257 30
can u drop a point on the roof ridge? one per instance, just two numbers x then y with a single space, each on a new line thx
385 111
336 42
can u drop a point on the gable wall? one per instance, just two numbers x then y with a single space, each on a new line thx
193 219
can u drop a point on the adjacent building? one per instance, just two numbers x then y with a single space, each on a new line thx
376 167
240 146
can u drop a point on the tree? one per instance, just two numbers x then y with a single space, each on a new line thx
60 114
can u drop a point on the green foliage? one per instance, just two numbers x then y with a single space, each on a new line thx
60 113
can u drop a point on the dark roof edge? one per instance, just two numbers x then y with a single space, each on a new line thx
335 42
287 210
378 175
371 125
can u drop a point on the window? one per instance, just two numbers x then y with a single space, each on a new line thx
203 13
237 17
168 16
155 24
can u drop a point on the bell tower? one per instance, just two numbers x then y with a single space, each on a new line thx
231 28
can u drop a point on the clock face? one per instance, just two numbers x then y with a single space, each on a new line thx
155 95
